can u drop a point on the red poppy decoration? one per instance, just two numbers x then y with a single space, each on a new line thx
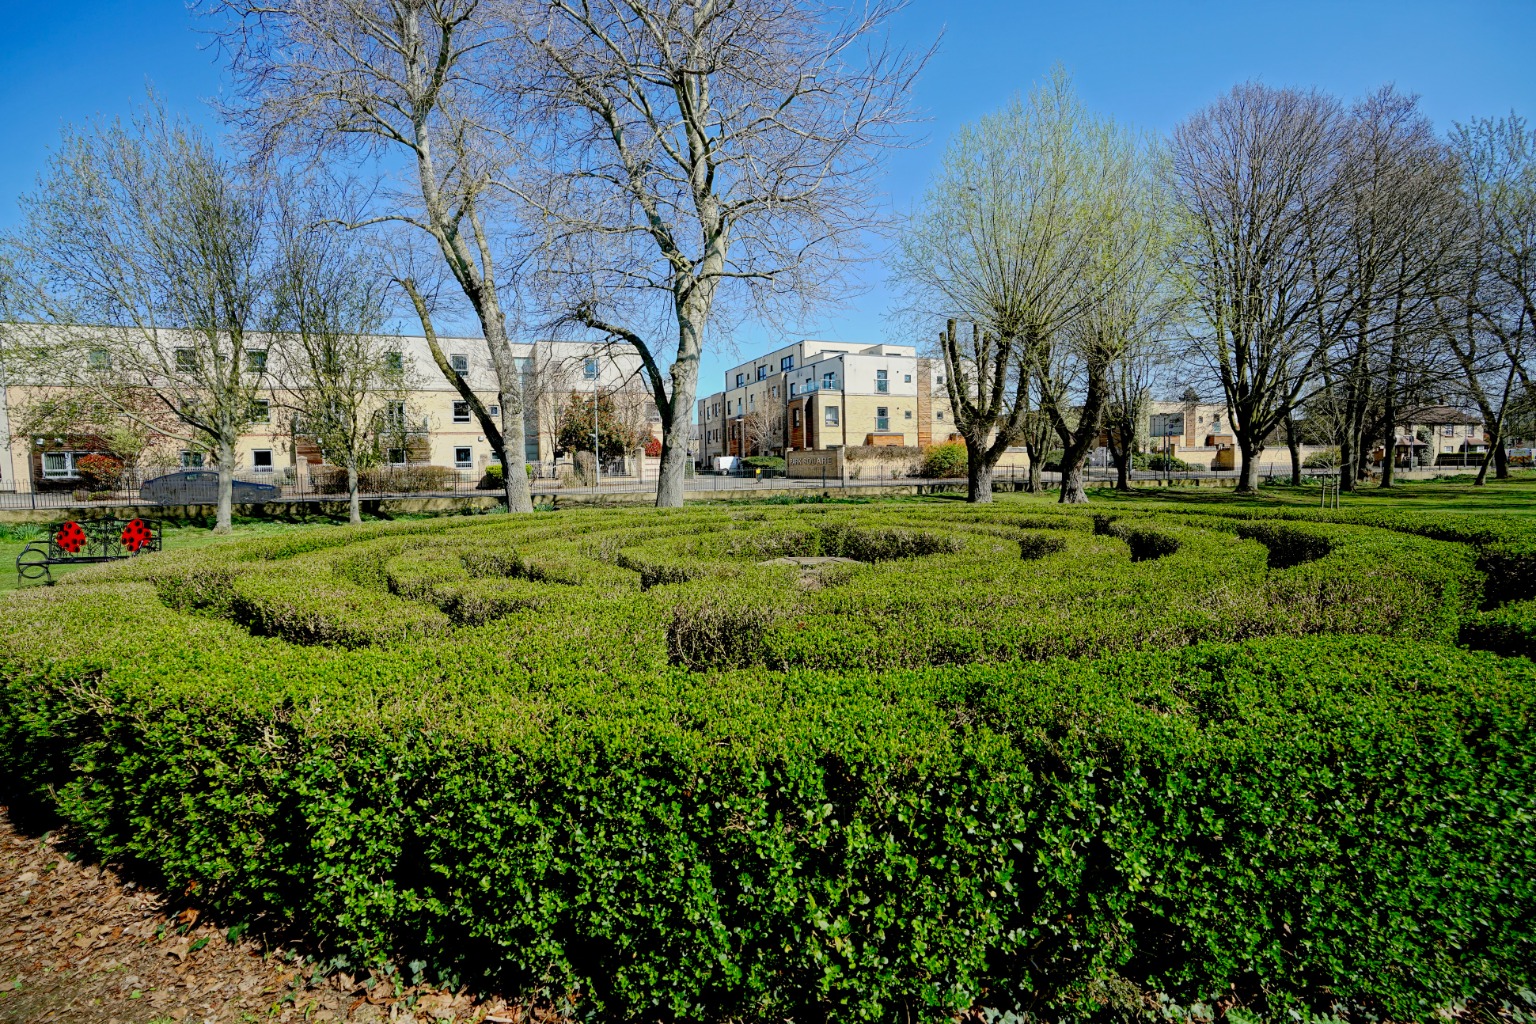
136 535
70 537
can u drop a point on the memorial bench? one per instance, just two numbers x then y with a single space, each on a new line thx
84 541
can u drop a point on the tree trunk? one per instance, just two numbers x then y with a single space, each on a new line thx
1500 460
1247 478
978 475
672 477
354 504
225 520
1347 461
514 460
1389 451
1293 444
1123 473
1072 492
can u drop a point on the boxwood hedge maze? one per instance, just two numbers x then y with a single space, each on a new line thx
820 762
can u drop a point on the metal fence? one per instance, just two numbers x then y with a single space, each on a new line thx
286 485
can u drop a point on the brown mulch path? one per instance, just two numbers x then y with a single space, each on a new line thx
80 944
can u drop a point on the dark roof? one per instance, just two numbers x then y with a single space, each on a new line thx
1434 415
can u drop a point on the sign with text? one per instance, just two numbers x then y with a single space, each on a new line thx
809 464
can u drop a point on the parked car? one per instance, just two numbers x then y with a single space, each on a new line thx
201 487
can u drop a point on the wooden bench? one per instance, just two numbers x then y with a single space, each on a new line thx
83 541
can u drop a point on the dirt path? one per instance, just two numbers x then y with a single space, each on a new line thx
79 944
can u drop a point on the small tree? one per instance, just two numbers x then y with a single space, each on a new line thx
576 430
1018 235
342 384
141 228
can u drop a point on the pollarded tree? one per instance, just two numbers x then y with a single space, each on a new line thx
1255 179
1022 230
418 82
340 381
141 228
686 159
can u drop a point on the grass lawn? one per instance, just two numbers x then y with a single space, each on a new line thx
1515 496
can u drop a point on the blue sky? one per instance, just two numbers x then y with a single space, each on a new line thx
1150 64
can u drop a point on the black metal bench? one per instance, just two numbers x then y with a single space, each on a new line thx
85 541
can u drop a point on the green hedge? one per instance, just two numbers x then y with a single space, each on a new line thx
614 754
1299 821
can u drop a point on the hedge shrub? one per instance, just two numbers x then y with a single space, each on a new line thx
613 755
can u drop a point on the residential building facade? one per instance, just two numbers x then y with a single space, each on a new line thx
815 395
437 425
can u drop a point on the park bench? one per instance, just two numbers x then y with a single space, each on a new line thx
83 541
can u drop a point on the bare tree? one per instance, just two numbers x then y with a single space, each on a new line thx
762 431
689 158
418 81
1402 235
1019 234
333 372
1495 339
141 228
1255 176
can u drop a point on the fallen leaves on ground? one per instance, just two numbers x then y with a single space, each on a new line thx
82 945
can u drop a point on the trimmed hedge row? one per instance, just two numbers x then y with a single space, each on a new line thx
1328 822
614 755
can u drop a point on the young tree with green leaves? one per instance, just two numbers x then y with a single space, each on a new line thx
1023 230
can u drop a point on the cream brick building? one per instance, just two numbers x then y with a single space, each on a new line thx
440 428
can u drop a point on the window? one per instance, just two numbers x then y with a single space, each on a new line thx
256 360
939 416
794 389
191 459
741 379
775 390
907 378
394 412
589 370
752 401
394 362
461 412
261 460
882 418
1448 431
261 411
940 379
186 360
831 417
762 371
797 419
60 465
460 363
494 410
787 363
100 359
829 381
395 456
908 414
882 383
462 458
1216 424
